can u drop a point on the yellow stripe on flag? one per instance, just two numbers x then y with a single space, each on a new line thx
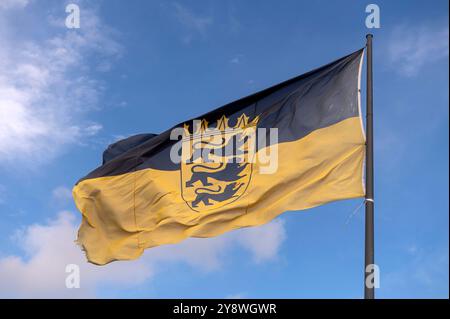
124 214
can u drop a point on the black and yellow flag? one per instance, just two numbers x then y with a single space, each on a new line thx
293 146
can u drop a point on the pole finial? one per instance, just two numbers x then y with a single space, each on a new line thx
369 35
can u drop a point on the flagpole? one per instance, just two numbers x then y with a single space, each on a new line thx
369 292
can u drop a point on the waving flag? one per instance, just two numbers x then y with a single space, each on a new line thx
293 146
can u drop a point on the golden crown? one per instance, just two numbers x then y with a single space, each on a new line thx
202 126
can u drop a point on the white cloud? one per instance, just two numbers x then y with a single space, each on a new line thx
411 48
62 194
191 20
13 4
49 248
193 23
239 295
236 59
2 194
263 244
47 88
264 241
123 104
423 275
412 250
93 129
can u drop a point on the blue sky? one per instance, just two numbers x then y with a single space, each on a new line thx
141 66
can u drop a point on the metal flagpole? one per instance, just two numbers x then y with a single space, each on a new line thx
369 291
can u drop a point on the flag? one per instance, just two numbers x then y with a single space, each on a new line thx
293 146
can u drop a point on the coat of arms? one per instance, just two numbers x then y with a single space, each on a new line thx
216 164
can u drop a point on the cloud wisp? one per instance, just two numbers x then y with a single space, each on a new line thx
62 195
424 275
47 87
411 48
194 24
13 4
